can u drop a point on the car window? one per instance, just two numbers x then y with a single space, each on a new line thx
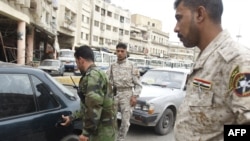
44 96
170 79
65 90
16 95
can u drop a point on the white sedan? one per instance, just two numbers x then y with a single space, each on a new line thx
162 93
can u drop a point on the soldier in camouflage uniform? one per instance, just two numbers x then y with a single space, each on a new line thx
218 89
127 87
95 91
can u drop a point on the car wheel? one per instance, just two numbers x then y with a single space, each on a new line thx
166 123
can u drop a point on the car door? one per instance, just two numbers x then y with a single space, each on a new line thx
29 111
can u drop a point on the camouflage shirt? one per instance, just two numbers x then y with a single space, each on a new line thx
218 92
124 74
97 99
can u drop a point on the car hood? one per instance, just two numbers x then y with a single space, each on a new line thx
157 92
48 67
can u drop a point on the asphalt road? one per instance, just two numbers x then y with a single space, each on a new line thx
139 133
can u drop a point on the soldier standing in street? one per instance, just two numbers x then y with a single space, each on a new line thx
124 77
95 91
218 90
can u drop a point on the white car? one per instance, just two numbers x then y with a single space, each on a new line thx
162 93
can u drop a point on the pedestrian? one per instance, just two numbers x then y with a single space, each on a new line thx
124 78
99 122
217 92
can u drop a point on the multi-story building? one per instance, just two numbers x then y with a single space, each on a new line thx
27 29
67 14
110 24
147 37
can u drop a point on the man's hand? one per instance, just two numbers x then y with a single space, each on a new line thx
133 101
83 138
66 120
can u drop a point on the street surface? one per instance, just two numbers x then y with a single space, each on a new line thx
139 133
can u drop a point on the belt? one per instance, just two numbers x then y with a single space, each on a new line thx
124 88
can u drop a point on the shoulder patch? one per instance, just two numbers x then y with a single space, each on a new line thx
233 74
242 84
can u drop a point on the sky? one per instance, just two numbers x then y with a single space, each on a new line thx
235 18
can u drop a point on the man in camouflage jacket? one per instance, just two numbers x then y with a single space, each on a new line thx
124 77
99 122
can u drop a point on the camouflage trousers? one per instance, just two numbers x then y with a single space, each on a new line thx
105 133
122 101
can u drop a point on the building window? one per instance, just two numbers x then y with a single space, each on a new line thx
126 32
97 8
114 29
153 24
103 12
120 31
121 19
87 37
100 41
109 14
82 34
87 21
95 38
108 27
96 23
102 27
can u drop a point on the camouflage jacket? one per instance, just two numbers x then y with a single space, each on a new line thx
97 98
125 74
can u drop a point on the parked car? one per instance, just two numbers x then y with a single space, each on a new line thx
32 104
53 67
162 93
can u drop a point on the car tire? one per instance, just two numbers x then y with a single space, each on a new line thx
166 123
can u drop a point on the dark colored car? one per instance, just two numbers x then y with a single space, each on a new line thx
32 103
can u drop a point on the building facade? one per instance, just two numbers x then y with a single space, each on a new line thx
27 29
32 30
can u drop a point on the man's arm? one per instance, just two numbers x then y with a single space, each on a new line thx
93 103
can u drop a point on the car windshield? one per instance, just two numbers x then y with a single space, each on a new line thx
170 79
49 63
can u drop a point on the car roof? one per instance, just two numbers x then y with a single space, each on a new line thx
173 69
18 68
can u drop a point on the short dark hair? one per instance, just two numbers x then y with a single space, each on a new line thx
85 52
213 7
121 45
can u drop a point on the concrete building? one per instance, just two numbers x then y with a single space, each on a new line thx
148 40
27 29
147 37
110 24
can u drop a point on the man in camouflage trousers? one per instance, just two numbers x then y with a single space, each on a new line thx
124 77
99 122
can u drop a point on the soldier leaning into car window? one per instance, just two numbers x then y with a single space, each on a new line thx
124 78
99 122
218 90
